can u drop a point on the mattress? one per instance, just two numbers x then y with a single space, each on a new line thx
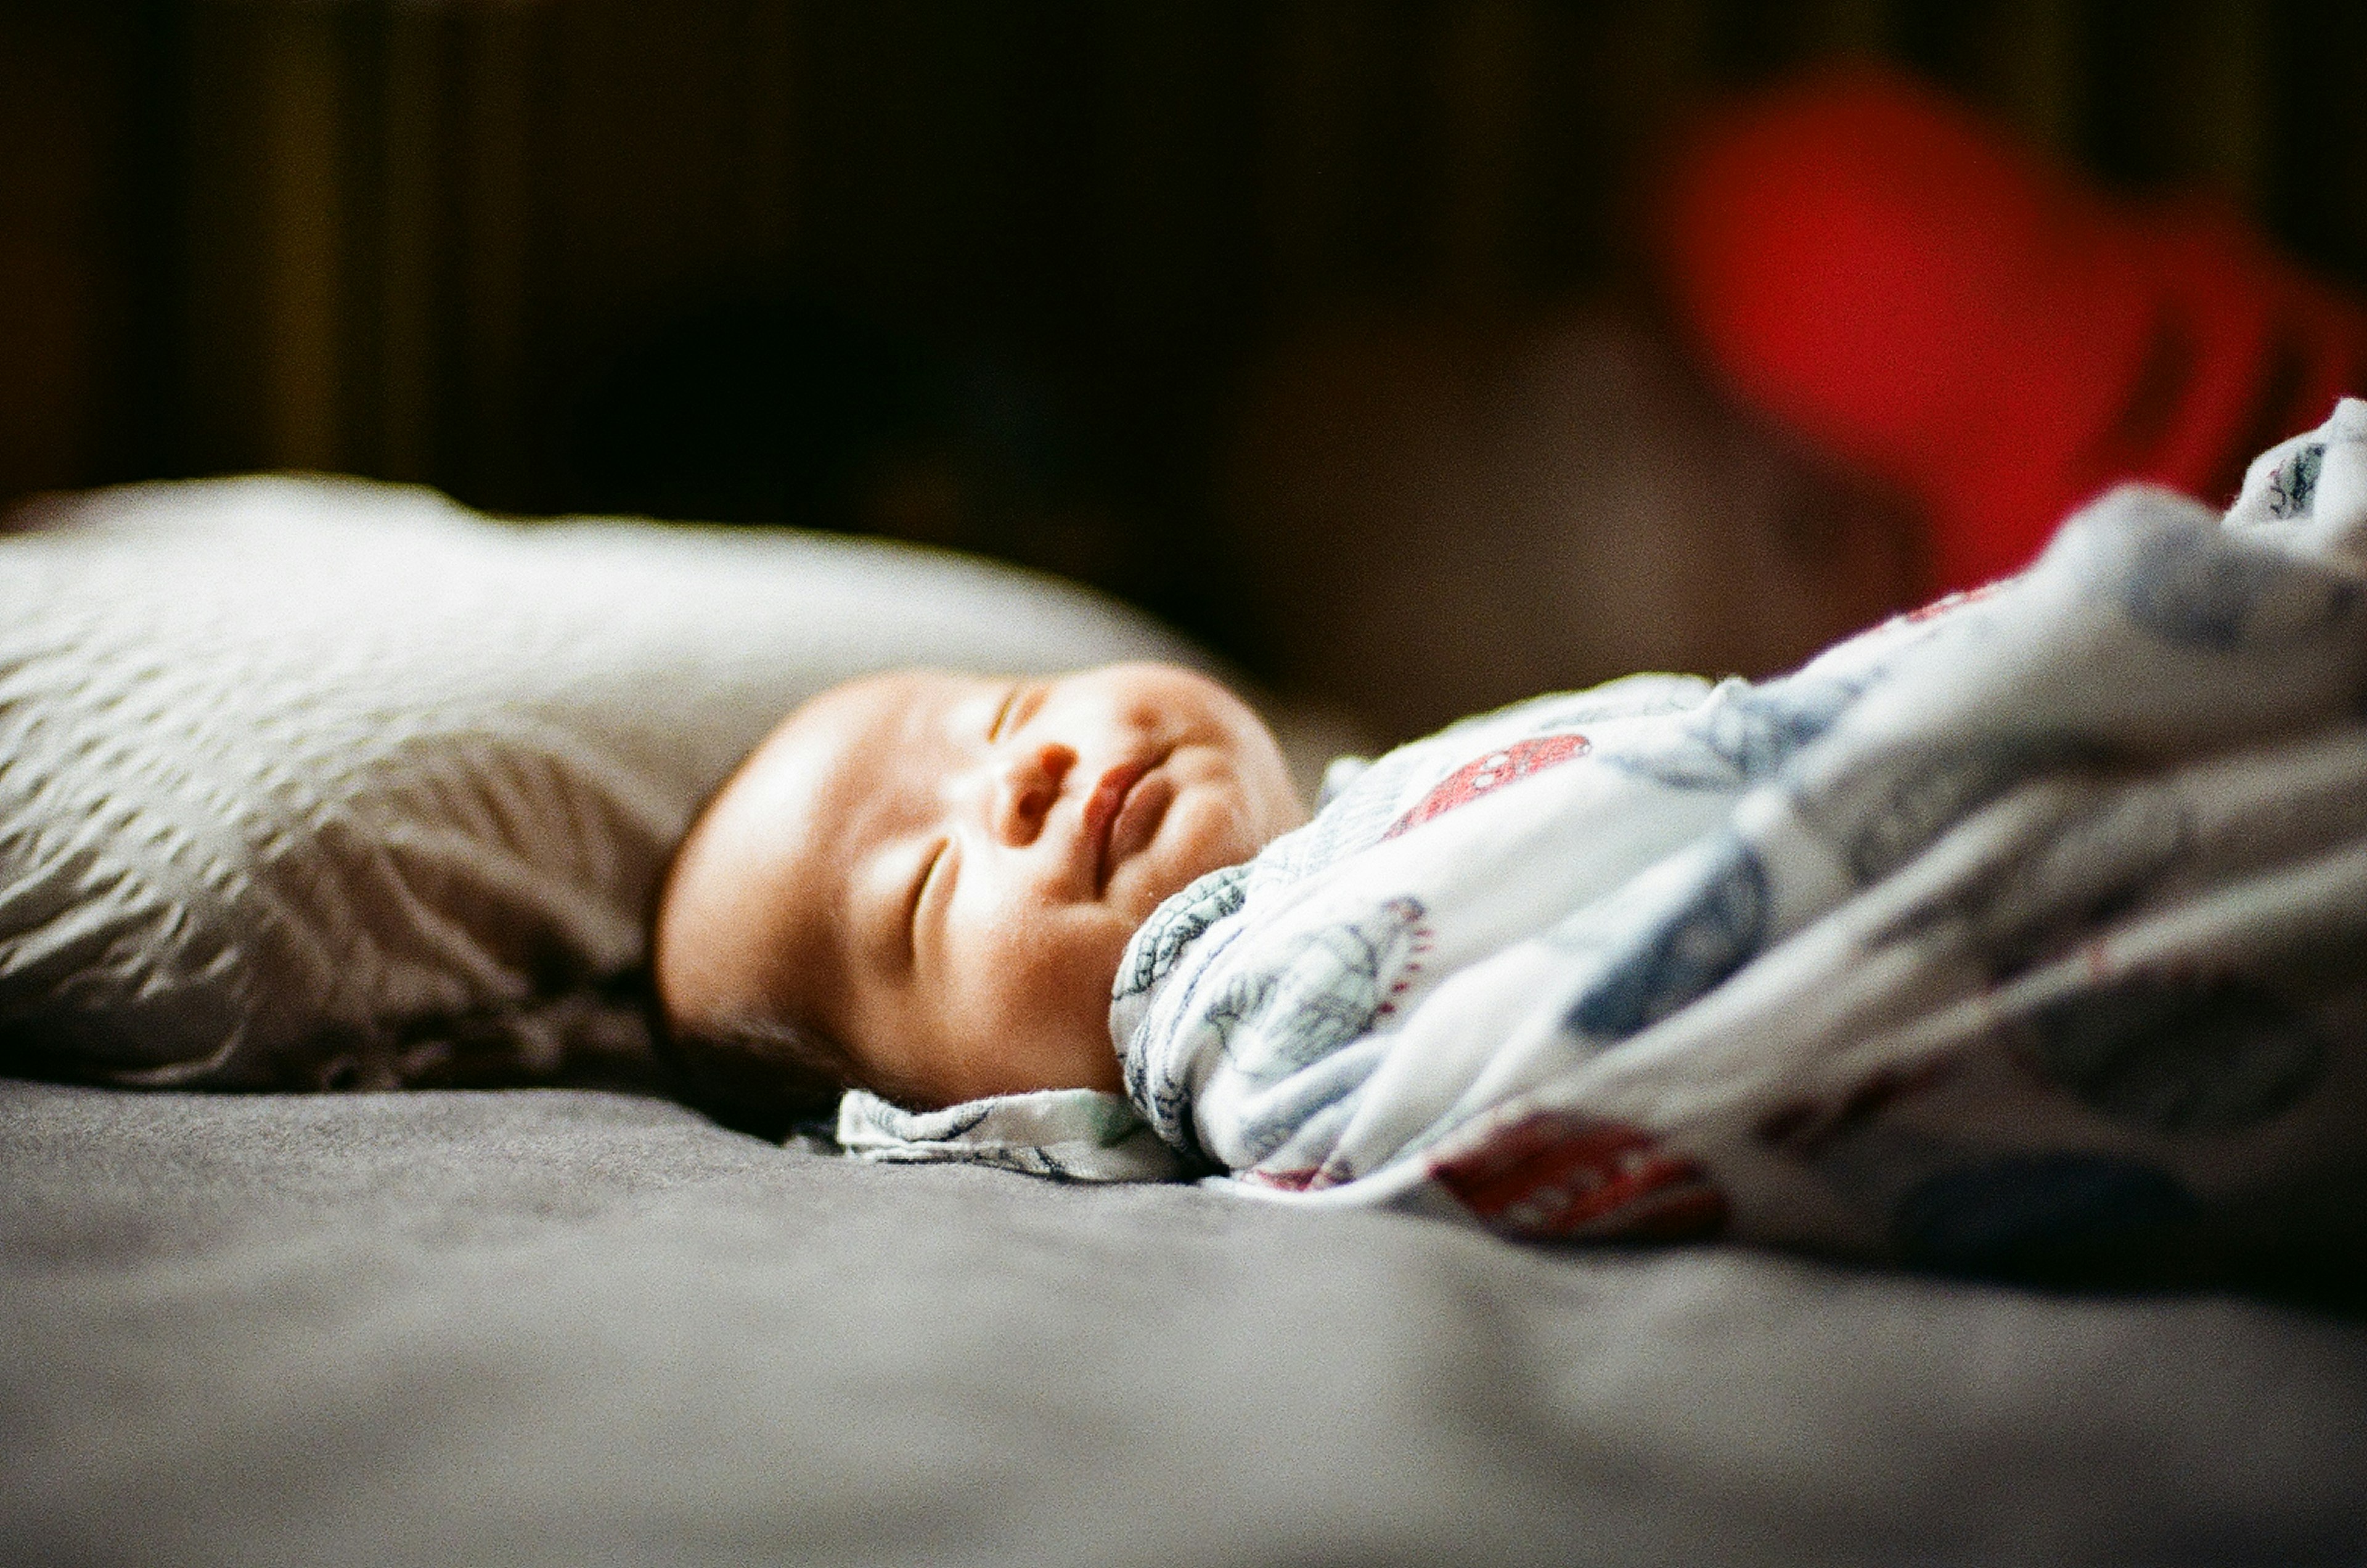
562 1326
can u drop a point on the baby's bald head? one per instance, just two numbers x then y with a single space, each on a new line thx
922 882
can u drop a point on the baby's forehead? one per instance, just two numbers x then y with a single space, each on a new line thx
847 771
857 738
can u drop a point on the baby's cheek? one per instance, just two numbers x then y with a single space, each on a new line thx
1215 829
1046 1025
1049 958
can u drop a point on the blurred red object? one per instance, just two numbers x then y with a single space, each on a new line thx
1924 300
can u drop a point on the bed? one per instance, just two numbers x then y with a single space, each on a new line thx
552 1323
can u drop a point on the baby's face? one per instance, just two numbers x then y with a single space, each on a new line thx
942 871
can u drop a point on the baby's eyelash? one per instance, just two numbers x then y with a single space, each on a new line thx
1026 701
1019 706
919 896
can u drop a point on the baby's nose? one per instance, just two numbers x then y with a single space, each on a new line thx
1030 782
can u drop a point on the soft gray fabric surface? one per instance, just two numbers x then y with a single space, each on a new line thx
564 1326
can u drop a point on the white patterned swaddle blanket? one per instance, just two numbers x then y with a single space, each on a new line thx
2025 928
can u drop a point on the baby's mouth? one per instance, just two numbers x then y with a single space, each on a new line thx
1122 814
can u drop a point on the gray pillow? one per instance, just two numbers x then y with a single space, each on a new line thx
309 783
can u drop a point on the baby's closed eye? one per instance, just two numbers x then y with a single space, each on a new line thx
939 860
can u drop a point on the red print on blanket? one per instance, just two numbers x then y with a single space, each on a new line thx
1559 1174
1490 774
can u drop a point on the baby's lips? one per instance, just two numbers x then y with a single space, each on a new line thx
1138 820
1101 813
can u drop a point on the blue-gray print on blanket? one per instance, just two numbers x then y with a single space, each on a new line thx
1715 928
2072 876
1885 807
2206 588
2038 1215
1178 923
2177 1054
2293 487
1288 1111
1165 1100
939 1136
1327 987
1740 736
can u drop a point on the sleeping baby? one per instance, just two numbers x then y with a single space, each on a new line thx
922 883
2027 934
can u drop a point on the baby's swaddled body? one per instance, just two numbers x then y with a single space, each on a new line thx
1415 928
2028 929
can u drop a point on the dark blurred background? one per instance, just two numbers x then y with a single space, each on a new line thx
1094 285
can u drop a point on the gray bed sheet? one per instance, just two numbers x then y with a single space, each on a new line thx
571 1326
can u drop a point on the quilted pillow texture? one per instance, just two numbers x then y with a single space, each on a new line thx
315 783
